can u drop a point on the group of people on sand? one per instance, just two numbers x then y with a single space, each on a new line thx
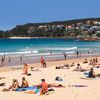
15 85
94 63
65 66
43 87
91 73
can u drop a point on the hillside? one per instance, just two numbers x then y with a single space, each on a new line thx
72 28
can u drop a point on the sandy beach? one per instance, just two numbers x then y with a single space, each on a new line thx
71 79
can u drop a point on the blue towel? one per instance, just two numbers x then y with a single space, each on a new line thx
28 88
86 73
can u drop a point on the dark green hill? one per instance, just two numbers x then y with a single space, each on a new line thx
50 29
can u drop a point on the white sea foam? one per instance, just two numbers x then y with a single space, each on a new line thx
27 50
18 53
35 53
70 48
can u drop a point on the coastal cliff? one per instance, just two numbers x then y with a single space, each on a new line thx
84 29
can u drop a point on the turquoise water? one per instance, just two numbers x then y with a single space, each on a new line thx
18 46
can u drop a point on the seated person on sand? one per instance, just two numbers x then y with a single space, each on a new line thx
91 62
43 86
14 86
25 69
85 61
91 73
96 60
72 65
79 68
24 83
43 62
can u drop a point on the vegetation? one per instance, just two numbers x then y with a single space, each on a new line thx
71 28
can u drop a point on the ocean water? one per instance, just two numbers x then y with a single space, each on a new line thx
39 46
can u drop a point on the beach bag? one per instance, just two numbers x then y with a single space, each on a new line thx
29 74
58 78
44 64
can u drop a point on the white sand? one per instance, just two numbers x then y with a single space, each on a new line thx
92 92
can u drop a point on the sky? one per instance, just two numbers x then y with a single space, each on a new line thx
19 12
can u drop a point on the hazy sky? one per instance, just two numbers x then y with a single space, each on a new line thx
16 12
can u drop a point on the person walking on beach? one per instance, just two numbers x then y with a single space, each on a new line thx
2 61
65 55
21 59
77 53
9 59
43 62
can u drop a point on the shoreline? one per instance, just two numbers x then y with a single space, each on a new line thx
17 60
89 39
49 63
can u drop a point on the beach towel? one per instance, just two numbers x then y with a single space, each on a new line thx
28 88
50 91
86 73
79 85
87 78
35 91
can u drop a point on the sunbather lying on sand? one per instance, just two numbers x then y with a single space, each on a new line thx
55 85
65 66
32 69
